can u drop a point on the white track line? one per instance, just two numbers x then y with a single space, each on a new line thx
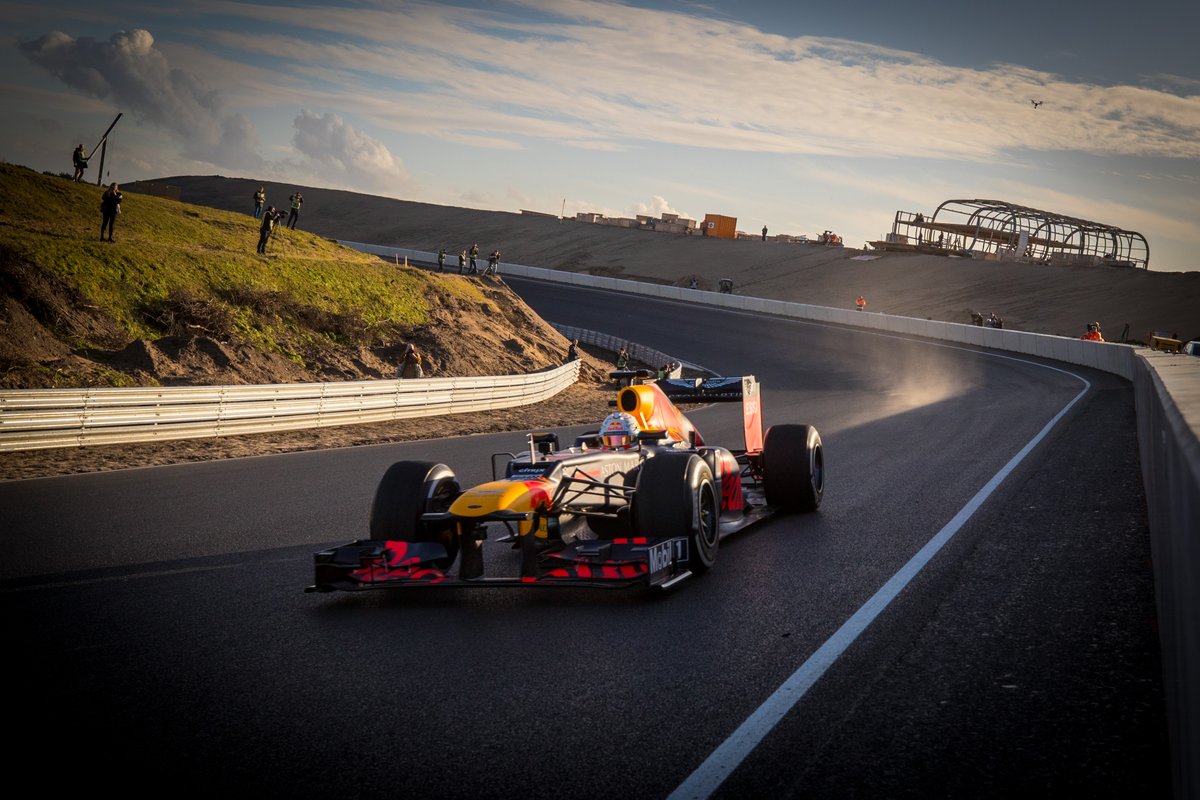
726 758
729 755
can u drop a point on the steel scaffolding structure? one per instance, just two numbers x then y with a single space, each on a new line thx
1020 233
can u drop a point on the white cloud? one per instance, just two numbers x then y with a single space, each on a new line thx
704 82
658 206
339 153
128 70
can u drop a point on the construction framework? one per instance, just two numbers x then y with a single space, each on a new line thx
1000 230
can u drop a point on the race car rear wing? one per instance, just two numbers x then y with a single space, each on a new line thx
722 390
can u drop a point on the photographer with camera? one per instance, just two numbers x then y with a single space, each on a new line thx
269 218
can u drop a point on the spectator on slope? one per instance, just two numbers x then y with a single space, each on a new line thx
622 359
269 218
572 351
764 233
79 158
410 363
441 259
493 260
474 253
110 206
260 200
296 200
462 262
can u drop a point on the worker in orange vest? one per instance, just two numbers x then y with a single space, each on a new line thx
1093 333
861 303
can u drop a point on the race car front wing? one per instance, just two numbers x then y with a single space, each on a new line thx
598 563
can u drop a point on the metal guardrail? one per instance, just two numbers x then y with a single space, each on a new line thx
636 352
35 419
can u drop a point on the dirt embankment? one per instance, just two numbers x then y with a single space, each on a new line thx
54 335
1029 297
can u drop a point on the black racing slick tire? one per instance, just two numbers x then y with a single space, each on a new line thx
793 467
677 497
406 491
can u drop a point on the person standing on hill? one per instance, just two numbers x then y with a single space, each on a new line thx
441 260
764 233
493 260
260 200
269 218
296 200
110 206
410 363
572 351
79 158
462 262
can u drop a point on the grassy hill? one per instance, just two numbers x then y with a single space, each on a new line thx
1030 297
181 297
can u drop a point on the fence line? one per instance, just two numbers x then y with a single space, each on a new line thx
605 341
36 419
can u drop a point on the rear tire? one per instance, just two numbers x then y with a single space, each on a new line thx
406 491
793 467
677 497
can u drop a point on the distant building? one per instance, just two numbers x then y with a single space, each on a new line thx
667 223
620 222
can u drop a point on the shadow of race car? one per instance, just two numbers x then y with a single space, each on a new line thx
643 501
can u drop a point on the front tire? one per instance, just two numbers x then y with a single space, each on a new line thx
793 467
677 497
406 491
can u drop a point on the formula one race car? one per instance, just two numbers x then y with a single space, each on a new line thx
643 501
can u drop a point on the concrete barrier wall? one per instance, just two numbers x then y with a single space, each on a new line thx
1167 392
1167 388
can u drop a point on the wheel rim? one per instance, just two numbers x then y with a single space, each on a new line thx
707 524
445 534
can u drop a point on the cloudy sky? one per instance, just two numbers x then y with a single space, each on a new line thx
795 115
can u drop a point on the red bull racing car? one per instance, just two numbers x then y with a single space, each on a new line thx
643 501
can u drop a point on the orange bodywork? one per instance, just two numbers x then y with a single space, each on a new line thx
653 411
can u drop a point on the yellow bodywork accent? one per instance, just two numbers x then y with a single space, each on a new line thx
519 496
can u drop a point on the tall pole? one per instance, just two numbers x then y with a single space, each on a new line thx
103 150
103 143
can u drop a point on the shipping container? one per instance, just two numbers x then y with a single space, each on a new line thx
719 226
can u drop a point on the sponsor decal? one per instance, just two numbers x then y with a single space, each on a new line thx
660 557
538 471
681 550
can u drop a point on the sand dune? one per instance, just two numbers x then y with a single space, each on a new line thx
1031 297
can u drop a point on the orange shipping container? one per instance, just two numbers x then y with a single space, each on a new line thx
719 226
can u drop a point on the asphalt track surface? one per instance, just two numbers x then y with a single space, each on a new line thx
161 644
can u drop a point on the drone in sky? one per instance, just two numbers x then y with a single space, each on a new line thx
1036 103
